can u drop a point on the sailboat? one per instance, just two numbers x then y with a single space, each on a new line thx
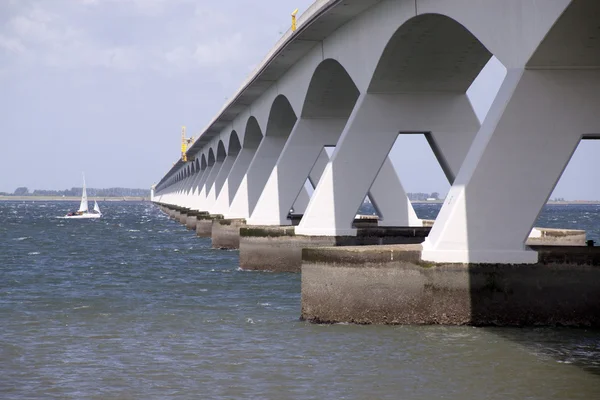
83 212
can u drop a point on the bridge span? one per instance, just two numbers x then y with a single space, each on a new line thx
358 73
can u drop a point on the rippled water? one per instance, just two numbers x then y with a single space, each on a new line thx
134 306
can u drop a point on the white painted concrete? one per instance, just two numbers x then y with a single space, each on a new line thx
233 183
199 197
194 190
412 71
220 183
518 156
258 173
365 143
293 167
210 189
389 198
313 179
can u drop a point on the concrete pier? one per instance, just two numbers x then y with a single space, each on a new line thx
226 233
183 216
562 237
279 249
204 224
392 285
192 219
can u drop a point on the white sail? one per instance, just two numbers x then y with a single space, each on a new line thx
96 208
83 207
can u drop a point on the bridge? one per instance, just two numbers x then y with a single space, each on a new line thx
355 74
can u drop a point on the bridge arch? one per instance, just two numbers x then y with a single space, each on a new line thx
221 153
281 118
573 42
211 157
331 92
429 53
233 146
252 135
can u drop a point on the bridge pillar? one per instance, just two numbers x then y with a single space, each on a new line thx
316 172
390 199
174 192
199 191
193 192
178 196
303 156
220 180
233 182
294 165
517 157
362 150
257 175
210 195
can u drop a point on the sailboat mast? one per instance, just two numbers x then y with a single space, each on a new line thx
84 202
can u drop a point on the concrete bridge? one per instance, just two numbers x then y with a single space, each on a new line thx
355 75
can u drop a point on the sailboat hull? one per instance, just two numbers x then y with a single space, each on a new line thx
83 208
84 216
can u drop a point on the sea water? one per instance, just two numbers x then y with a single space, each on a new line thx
134 306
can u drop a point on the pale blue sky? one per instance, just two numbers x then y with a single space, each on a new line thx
103 86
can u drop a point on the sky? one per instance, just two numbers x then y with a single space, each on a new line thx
104 86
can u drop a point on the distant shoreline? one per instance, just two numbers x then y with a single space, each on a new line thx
131 198
71 198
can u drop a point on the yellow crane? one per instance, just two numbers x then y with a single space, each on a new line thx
184 145
294 20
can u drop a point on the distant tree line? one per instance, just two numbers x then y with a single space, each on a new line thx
76 191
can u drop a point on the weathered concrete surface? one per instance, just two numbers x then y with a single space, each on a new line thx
562 237
190 222
279 249
175 215
226 233
183 218
391 285
205 223
179 214
192 218
547 236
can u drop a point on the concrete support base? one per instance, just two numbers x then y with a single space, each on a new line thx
279 249
190 222
192 218
183 217
392 285
226 233
556 237
204 224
